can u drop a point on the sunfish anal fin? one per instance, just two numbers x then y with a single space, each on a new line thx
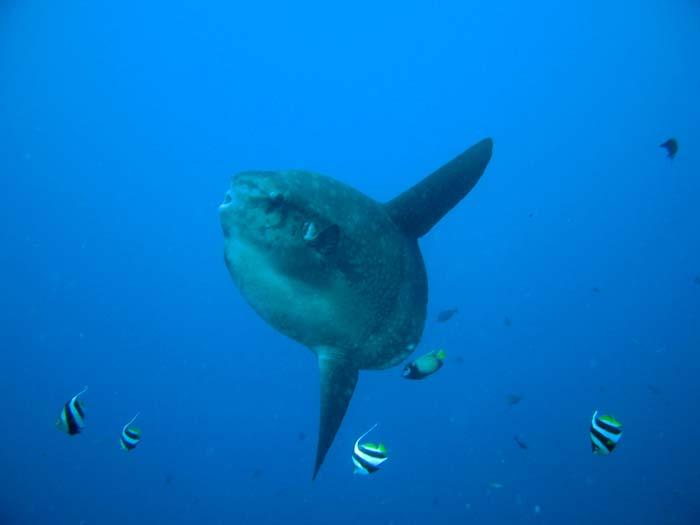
338 379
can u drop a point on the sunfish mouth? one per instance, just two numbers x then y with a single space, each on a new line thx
228 200
229 210
237 196
247 199
245 190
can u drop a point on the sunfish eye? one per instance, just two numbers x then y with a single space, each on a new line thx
275 212
275 199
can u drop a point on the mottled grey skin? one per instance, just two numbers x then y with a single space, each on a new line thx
356 292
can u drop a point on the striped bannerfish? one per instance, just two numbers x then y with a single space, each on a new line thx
131 436
605 433
72 417
367 456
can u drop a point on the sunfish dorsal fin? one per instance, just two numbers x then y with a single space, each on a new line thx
419 208
338 379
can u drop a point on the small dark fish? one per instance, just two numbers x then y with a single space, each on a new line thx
508 322
446 315
595 289
169 478
256 473
459 360
436 501
513 399
697 280
671 147
530 215
301 436
654 389
520 442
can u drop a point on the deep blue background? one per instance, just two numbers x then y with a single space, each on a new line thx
120 125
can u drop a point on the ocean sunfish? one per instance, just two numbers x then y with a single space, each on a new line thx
338 271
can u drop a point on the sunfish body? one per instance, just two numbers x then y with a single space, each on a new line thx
337 271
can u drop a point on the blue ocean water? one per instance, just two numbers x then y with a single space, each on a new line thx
574 262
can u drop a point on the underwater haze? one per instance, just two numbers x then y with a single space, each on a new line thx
574 263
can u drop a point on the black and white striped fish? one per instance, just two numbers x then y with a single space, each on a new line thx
72 417
131 436
606 431
367 456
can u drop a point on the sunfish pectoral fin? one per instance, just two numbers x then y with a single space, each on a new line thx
338 379
326 240
419 208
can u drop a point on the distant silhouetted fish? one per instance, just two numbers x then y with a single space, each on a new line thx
508 322
595 289
654 389
671 147
513 399
302 436
520 442
697 280
446 315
